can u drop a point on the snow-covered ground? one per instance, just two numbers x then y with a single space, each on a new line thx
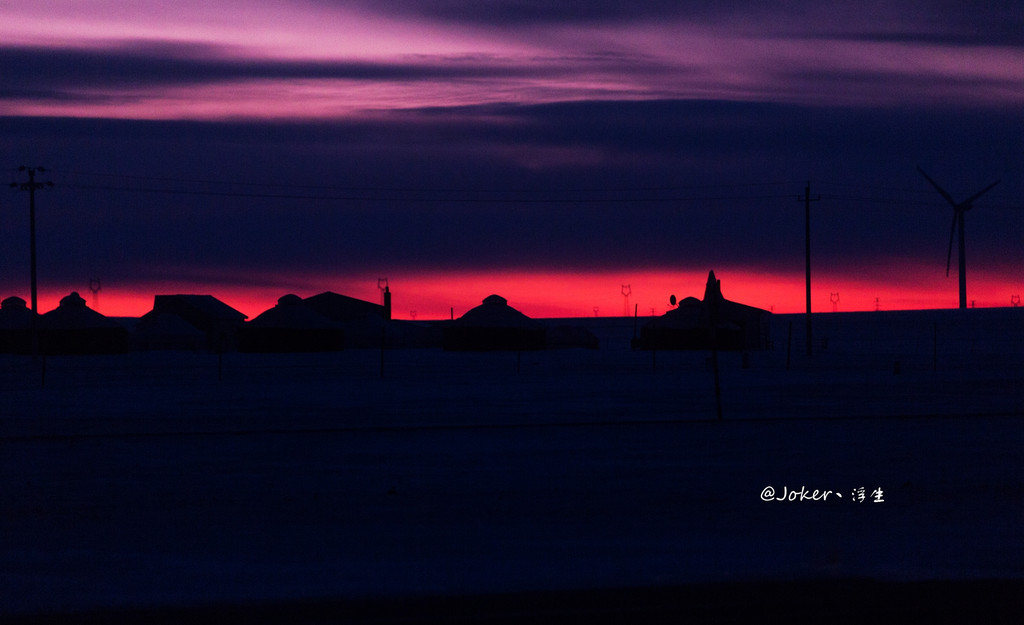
177 479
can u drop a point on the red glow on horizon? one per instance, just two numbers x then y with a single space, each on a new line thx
431 296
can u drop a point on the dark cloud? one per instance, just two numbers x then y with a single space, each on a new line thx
511 12
990 22
570 186
51 72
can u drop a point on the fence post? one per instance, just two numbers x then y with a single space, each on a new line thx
383 338
789 345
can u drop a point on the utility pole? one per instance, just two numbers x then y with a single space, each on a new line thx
31 187
807 199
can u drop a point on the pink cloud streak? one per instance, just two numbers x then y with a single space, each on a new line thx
546 63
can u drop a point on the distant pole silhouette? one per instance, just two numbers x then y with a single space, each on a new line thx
807 199
95 286
31 187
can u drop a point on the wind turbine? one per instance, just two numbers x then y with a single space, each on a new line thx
958 222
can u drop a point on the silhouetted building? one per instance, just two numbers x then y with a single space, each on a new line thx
74 328
291 326
343 308
494 325
15 326
167 331
570 336
215 319
700 324
367 324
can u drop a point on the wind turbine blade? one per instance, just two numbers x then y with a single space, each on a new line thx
971 199
949 254
941 191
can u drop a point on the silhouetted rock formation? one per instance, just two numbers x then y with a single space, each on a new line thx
494 325
701 324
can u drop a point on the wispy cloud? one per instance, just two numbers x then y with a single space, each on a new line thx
325 59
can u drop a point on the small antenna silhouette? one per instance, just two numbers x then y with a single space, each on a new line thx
595 310
1015 300
627 290
382 285
959 208
876 304
835 301
95 286
412 314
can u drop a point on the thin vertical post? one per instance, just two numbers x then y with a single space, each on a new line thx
31 187
32 237
807 258
962 267
789 345
714 351
383 340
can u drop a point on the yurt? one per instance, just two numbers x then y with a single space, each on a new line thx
74 328
15 326
291 326
494 325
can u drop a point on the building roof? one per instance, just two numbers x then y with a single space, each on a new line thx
342 307
74 314
692 312
168 325
495 312
205 305
292 312
14 314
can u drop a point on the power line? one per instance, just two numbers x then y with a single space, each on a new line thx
427 200
469 195
398 189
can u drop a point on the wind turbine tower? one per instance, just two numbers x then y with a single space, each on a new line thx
959 208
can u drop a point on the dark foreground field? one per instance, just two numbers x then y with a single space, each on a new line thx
569 486
839 602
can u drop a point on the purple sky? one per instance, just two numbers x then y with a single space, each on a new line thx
307 145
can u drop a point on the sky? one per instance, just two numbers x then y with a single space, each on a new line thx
577 160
